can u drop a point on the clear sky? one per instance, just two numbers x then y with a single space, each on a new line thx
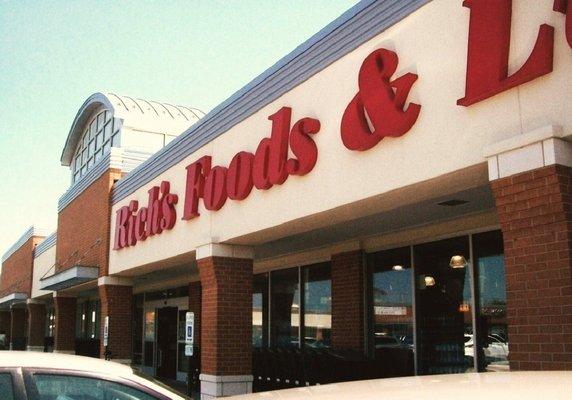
54 54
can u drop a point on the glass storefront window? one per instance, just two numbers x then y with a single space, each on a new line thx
285 308
491 313
295 309
149 337
50 323
260 311
317 305
137 328
87 320
392 311
182 360
444 315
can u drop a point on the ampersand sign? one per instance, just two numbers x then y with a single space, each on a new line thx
383 101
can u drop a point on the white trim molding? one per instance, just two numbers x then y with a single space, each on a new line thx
46 244
70 277
114 281
30 233
13 298
542 147
224 250
213 386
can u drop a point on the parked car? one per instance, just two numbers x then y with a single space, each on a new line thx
555 385
48 376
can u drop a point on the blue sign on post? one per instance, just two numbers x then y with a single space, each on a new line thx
189 333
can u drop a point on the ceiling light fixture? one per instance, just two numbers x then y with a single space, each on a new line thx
458 261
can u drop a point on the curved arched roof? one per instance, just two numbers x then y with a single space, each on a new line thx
136 113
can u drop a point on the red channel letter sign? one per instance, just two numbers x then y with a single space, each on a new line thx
489 50
214 185
267 167
382 99
376 111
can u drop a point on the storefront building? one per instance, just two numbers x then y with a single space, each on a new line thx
392 198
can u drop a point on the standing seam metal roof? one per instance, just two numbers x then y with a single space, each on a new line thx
127 108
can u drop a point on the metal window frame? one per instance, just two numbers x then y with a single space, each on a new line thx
473 273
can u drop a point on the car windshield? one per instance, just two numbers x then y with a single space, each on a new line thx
159 383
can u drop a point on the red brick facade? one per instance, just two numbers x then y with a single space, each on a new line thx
18 328
535 213
36 324
84 226
117 304
17 269
348 285
64 308
195 307
226 331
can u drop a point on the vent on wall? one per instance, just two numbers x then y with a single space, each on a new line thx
452 203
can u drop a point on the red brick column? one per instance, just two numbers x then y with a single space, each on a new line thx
64 308
18 328
226 322
195 307
117 304
348 311
535 213
36 326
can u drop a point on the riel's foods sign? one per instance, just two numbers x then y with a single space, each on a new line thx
378 110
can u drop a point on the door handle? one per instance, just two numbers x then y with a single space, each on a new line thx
160 358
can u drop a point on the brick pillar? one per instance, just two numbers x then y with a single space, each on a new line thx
36 325
535 213
5 321
65 309
226 331
116 296
18 328
195 306
348 311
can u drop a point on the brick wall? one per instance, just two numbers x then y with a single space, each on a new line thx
195 306
36 324
16 274
348 329
535 213
117 303
64 308
226 332
84 226
18 329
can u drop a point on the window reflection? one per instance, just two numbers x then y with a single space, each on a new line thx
392 311
149 337
444 318
260 311
285 308
491 316
287 311
317 306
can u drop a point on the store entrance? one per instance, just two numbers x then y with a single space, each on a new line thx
167 342
444 301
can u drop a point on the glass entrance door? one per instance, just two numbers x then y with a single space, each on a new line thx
444 307
167 342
